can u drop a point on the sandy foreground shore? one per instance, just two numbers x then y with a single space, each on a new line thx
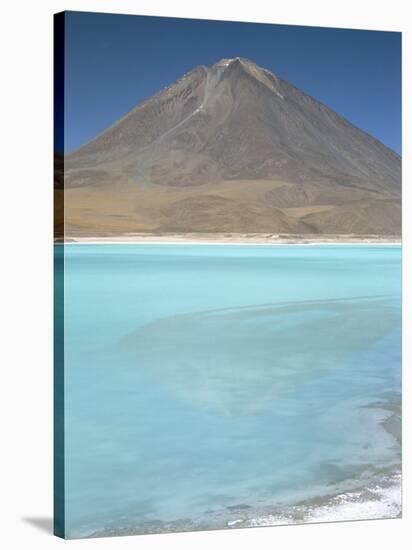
229 238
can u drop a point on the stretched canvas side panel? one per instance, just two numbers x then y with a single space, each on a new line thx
59 447
202 385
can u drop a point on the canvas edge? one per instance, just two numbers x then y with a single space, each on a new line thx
59 509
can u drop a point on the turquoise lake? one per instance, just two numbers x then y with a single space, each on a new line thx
208 386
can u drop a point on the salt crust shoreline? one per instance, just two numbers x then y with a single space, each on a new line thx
380 499
230 239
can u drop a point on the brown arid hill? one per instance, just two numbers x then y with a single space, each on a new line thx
232 148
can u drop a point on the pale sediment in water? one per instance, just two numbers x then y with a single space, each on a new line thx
366 497
377 497
393 423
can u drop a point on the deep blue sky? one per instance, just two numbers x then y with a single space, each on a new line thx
113 62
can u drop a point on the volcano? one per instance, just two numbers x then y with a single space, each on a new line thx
233 148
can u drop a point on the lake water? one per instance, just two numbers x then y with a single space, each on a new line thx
213 386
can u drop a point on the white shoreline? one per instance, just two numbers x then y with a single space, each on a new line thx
215 243
368 503
210 238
